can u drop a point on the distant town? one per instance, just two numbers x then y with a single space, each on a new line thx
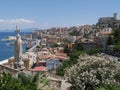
67 55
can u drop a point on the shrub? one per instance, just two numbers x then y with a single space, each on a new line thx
116 47
38 46
108 87
93 71
92 51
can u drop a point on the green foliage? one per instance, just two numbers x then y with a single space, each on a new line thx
101 88
116 47
38 46
116 34
110 40
85 35
7 82
28 81
54 45
74 33
94 71
60 71
115 40
67 50
23 82
108 87
73 52
33 82
117 76
93 51
78 47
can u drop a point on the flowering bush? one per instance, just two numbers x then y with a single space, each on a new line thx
108 87
94 71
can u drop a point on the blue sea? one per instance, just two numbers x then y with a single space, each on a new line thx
5 50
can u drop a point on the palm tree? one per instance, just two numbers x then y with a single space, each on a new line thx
7 82
34 82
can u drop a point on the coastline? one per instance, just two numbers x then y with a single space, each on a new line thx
5 61
7 47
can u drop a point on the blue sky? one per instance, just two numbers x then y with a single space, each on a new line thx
54 13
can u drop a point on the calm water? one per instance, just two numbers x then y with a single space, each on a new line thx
5 50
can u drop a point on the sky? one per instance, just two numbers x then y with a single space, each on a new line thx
43 14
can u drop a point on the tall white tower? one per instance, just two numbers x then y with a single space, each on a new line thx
17 48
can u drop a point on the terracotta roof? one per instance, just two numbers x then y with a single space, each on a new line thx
40 68
105 33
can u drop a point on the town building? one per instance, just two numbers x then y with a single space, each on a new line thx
112 22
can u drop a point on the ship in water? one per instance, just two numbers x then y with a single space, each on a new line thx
10 43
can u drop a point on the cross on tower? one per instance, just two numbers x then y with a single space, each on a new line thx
17 30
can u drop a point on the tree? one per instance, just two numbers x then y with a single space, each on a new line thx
7 82
60 71
74 33
92 51
116 48
78 46
33 82
67 50
110 40
108 87
24 82
116 34
28 81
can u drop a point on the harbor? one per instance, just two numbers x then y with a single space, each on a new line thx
37 51
39 57
7 47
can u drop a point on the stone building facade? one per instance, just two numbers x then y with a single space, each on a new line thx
111 22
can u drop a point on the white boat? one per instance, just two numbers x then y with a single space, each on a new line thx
10 43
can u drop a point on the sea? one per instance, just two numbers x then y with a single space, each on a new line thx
5 50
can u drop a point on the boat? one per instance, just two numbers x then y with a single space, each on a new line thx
10 44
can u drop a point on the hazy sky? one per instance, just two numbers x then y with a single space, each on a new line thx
50 13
